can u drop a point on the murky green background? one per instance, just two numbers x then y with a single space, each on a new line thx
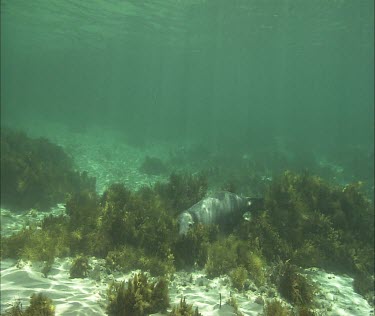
228 73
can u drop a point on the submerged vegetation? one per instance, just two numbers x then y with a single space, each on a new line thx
275 308
130 229
294 286
41 242
80 267
40 305
182 191
138 297
239 258
191 250
333 226
36 173
306 222
184 309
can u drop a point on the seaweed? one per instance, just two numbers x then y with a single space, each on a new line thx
36 173
363 284
139 298
238 276
159 266
127 258
184 309
39 243
160 295
138 219
97 225
182 191
358 213
275 308
233 302
313 223
293 286
227 255
15 310
222 257
141 220
191 250
84 213
255 265
108 225
40 305
80 267
358 165
267 236
124 258
307 221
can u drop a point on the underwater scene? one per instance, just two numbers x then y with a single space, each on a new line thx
187 157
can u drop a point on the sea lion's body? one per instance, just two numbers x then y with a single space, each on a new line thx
222 208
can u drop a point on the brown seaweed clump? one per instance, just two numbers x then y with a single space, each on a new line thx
40 304
312 223
131 229
294 286
36 173
184 309
140 297
276 308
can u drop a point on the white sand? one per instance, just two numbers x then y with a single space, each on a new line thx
337 296
88 296
70 296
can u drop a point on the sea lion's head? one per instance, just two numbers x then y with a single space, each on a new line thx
185 221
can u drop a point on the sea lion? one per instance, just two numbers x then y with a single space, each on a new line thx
222 208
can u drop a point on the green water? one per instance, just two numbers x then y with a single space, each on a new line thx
225 73
240 90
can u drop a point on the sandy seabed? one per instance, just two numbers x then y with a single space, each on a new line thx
19 280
